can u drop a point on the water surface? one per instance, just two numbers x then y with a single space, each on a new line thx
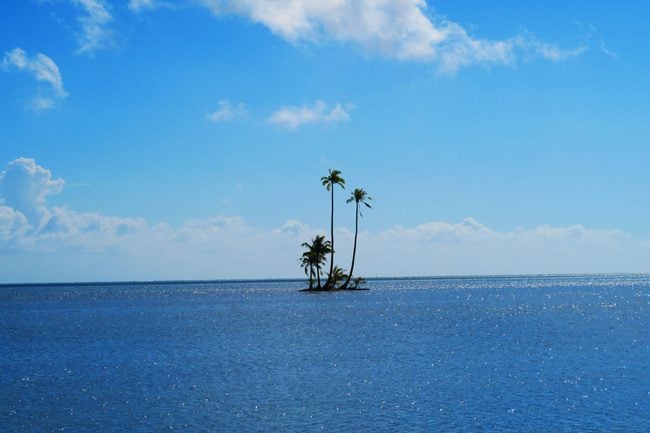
506 354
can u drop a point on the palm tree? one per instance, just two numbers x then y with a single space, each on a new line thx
308 265
359 196
307 262
337 276
334 178
316 254
358 281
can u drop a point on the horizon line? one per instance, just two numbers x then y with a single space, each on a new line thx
295 280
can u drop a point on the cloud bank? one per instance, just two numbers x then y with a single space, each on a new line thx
43 70
42 243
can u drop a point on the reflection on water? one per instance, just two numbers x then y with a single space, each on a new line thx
521 354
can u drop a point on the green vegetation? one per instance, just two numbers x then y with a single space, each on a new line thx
315 256
358 282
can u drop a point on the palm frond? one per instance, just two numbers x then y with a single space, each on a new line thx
334 178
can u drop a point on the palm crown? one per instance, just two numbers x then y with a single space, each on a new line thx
318 248
314 257
359 195
334 178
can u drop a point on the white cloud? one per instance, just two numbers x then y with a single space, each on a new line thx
24 186
43 69
41 66
138 5
12 224
401 29
471 231
67 222
94 20
292 117
469 247
293 227
467 230
554 53
69 245
228 111
395 28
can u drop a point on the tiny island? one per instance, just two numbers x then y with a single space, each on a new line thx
314 259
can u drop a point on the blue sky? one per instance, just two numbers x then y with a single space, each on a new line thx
202 127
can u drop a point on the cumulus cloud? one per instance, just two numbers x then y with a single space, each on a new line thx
24 187
400 29
12 224
94 19
228 112
43 70
292 117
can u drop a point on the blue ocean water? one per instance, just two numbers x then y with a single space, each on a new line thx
492 354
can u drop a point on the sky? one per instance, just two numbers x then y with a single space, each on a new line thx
160 139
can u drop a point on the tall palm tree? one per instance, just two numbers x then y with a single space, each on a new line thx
316 254
358 196
330 181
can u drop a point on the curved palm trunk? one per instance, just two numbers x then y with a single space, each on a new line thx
354 249
311 276
329 276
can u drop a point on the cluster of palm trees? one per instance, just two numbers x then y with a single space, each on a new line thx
314 259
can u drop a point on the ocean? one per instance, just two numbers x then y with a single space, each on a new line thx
474 354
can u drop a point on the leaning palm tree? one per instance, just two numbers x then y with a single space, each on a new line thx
318 250
358 196
334 178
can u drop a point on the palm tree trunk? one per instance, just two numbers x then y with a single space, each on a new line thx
318 275
311 276
354 249
329 276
